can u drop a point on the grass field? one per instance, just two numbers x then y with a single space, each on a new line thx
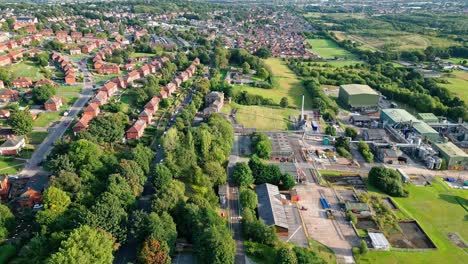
438 209
288 85
262 118
340 63
458 84
36 137
10 165
142 54
45 118
25 69
69 88
328 49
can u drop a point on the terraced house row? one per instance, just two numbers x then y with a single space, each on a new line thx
66 66
145 118
109 89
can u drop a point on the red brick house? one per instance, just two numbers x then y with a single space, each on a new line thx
4 113
34 52
109 69
110 88
30 198
5 60
46 32
76 35
61 34
100 98
137 130
146 116
163 94
22 82
152 105
42 82
129 66
75 51
12 44
82 124
144 71
88 48
15 55
92 110
170 88
8 95
120 81
132 76
70 79
12 146
53 104
196 61
4 187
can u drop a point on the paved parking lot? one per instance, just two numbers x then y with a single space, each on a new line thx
336 234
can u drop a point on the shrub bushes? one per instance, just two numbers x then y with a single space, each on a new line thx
365 151
387 180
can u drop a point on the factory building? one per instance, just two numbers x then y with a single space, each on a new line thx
394 116
428 117
456 158
358 97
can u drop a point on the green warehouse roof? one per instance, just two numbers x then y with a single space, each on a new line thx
353 89
451 150
428 117
424 128
399 115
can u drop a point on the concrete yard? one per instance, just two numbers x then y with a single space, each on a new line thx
296 232
336 234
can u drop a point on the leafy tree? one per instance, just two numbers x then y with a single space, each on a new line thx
107 128
351 132
365 151
167 199
287 181
284 102
261 145
263 73
257 230
286 255
245 68
388 180
263 53
55 202
154 252
109 215
84 153
215 172
7 221
119 186
363 247
21 122
134 175
248 198
60 163
85 245
143 156
5 76
162 177
307 256
342 142
215 245
67 181
162 228
242 175
330 130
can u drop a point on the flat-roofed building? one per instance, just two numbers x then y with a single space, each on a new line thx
456 158
358 97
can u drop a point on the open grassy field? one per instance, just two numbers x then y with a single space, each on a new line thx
328 49
439 210
340 63
10 165
45 118
36 137
458 84
142 54
288 85
262 118
25 69
69 88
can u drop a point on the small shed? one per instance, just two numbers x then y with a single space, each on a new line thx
379 241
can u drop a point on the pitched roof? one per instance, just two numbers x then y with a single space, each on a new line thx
270 208
12 142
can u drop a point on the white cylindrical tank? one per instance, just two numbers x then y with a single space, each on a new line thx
430 163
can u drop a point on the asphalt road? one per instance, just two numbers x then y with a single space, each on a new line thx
235 223
32 166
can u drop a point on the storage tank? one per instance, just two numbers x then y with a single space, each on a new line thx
422 152
430 163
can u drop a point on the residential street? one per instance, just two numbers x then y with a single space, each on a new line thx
32 166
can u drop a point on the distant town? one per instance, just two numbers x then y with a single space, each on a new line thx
233 132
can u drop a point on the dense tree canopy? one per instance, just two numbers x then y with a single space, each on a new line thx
388 180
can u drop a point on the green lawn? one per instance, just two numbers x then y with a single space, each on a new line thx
142 54
458 84
438 209
10 165
69 88
25 69
45 118
328 49
287 85
263 118
340 63
36 137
